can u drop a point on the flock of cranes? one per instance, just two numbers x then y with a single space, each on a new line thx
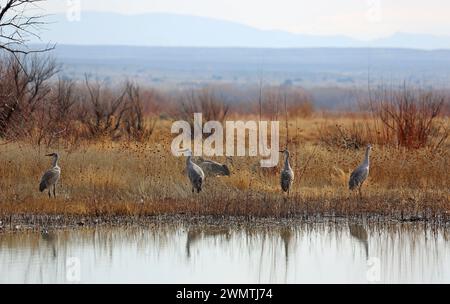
196 173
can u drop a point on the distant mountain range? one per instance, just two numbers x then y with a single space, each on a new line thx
307 67
162 29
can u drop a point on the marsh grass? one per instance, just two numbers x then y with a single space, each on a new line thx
107 179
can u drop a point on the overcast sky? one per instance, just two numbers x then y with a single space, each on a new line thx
362 19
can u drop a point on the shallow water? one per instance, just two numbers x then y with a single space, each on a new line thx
163 253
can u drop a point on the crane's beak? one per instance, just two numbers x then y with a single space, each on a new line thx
49 155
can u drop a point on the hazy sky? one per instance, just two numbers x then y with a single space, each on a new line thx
363 19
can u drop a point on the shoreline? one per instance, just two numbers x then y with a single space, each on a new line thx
40 222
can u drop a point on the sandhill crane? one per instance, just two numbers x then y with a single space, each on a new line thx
195 173
51 177
287 175
360 174
212 168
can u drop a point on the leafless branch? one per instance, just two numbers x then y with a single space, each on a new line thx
20 21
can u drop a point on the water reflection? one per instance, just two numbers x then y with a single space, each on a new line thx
50 240
360 233
162 253
196 234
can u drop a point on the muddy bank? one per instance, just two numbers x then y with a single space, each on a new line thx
19 223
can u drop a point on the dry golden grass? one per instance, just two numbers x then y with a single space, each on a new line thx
142 179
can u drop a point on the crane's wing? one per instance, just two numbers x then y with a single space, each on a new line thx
49 178
357 177
286 179
212 168
44 180
196 173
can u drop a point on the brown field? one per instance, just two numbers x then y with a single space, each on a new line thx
106 178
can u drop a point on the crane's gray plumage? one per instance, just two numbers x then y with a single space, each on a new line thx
287 174
51 177
212 168
360 174
195 174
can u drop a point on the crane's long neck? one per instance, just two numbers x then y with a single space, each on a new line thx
189 161
55 161
366 159
286 162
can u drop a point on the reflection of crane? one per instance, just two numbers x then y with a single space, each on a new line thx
196 234
361 173
360 233
49 238
286 236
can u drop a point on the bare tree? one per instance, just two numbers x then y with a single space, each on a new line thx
103 109
135 123
20 21
204 101
64 100
23 90
58 113
408 115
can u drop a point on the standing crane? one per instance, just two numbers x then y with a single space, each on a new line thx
51 177
195 173
360 174
287 174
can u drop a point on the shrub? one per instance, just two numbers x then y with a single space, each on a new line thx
408 117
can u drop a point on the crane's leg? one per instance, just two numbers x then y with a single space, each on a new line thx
193 190
360 193
54 190
49 192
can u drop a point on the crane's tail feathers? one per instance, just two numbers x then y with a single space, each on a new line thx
42 187
352 186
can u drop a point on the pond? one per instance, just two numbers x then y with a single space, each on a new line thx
244 253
